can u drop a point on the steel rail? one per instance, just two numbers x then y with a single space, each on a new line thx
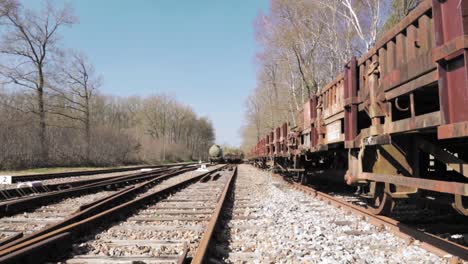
15 193
13 206
202 249
436 245
47 244
94 207
47 176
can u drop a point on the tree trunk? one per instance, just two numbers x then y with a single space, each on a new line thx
88 132
44 151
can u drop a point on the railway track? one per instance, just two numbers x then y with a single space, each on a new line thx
54 182
176 229
48 176
213 217
409 232
30 221
59 238
25 223
240 216
26 202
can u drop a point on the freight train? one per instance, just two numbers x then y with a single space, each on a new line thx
229 155
395 122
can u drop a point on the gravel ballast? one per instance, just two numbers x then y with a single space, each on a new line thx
272 223
157 232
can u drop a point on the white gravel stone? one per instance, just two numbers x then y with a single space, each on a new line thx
291 227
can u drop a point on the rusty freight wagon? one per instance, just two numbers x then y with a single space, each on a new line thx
395 122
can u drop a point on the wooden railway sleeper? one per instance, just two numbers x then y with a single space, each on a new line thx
5 194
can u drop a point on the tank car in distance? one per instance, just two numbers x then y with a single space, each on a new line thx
215 154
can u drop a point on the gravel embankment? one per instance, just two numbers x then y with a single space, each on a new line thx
272 223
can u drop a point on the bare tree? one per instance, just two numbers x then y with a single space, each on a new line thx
76 84
363 16
157 118
398 10
27 46
304 44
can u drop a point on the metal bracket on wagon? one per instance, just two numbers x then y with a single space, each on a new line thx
378 140
321 147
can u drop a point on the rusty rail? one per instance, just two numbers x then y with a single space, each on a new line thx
202 249
54 241
14 193
436 245
16 205
48 176
93 207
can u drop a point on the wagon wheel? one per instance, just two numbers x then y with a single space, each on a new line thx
382 203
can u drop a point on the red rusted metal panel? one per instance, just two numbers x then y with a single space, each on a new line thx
284 138
261 147
351 111
272 143
313 116
284 131
310 111
309 115
267 143
300 121
313 107
451 27
277 140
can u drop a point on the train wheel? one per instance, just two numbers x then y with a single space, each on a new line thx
382 203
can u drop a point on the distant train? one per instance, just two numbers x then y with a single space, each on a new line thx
215 154
228 155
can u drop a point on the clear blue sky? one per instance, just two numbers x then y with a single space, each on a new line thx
200 51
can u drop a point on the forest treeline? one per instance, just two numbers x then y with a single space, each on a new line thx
52 112
304 45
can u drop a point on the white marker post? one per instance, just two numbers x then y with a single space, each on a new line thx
202 168
6 179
